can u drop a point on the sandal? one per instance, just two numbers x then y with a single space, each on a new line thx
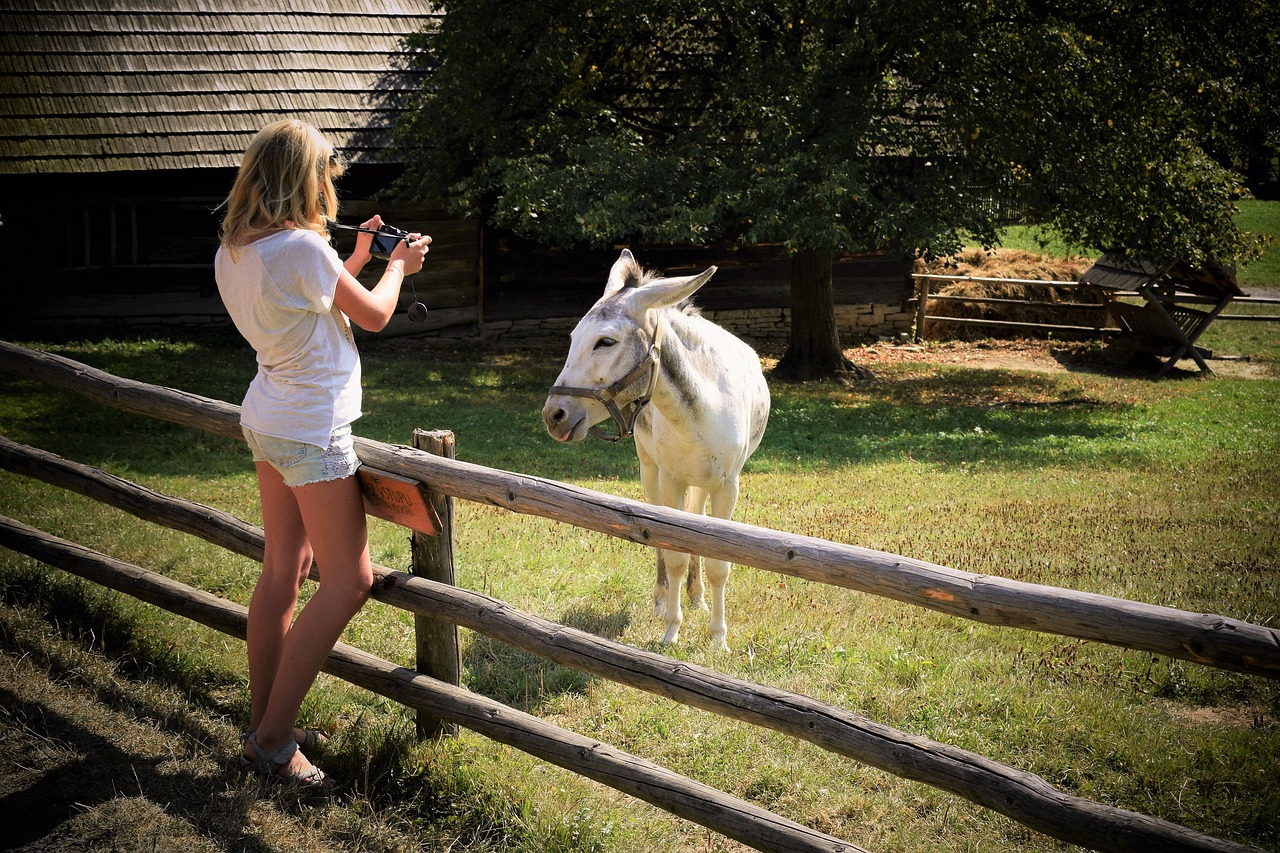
308 739
311 739
272 763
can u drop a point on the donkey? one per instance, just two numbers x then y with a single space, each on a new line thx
692 394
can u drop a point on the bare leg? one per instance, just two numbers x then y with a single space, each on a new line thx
285 565
332 516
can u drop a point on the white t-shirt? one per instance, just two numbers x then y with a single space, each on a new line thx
279 291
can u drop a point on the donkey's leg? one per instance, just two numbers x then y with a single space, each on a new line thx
723 501
676 562
696 502
650 482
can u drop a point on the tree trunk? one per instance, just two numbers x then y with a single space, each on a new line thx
814 351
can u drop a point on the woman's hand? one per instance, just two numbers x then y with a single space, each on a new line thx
360 256
372 309
364 241
411 254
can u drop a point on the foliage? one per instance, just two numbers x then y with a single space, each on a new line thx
842 125
1110 113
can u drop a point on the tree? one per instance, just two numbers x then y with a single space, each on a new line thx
822 126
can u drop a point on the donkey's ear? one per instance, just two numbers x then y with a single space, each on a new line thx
626 272
665 292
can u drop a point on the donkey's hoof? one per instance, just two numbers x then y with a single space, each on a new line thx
672 636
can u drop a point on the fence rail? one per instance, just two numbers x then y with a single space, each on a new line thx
1017 794
1204 638
924 296
628 773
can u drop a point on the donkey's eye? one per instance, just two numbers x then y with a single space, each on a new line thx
604 342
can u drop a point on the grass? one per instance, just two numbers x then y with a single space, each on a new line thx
1040 240
1158 491
1262 217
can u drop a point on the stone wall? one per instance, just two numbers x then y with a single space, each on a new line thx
853 322
754 325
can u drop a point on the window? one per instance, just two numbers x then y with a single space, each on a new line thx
141 233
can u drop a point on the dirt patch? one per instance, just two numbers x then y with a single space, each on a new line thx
993 354
1242 717
1047 357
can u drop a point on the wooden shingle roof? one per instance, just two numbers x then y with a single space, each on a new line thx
114 85
1114 271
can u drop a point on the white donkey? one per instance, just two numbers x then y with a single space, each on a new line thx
694 397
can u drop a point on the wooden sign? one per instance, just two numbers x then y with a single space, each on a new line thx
398 499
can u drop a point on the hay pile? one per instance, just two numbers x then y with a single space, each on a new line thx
1008 264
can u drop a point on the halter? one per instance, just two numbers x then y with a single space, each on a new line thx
607 394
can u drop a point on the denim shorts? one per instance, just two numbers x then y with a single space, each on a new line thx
300 463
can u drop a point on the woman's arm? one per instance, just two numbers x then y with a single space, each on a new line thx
371 310
358 258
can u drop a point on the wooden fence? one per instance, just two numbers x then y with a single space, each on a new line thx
924 295
1212 640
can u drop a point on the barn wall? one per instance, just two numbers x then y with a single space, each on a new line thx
95 255
105 254
535 294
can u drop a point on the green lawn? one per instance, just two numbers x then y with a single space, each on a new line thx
1159 491
1262 217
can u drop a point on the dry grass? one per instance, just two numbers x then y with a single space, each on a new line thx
96 757
1007 264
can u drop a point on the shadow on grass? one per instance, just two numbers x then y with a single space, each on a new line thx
522 679
105 760
65 789
107 624
492 402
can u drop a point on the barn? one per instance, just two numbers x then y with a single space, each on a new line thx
123 125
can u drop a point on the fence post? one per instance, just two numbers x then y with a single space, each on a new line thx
436 639
922 304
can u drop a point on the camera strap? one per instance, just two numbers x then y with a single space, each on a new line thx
342 227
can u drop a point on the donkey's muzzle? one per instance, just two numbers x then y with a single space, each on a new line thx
563 419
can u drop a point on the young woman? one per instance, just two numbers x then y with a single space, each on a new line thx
293 299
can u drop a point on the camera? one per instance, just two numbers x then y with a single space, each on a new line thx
385 239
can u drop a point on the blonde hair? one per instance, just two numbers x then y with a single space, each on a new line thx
285 180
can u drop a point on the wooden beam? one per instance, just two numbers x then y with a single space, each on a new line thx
1210 639
684 797
1017 794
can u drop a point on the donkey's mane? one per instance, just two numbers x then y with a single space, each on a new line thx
687 308
637 276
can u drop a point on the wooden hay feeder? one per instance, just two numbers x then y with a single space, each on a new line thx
1166 323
